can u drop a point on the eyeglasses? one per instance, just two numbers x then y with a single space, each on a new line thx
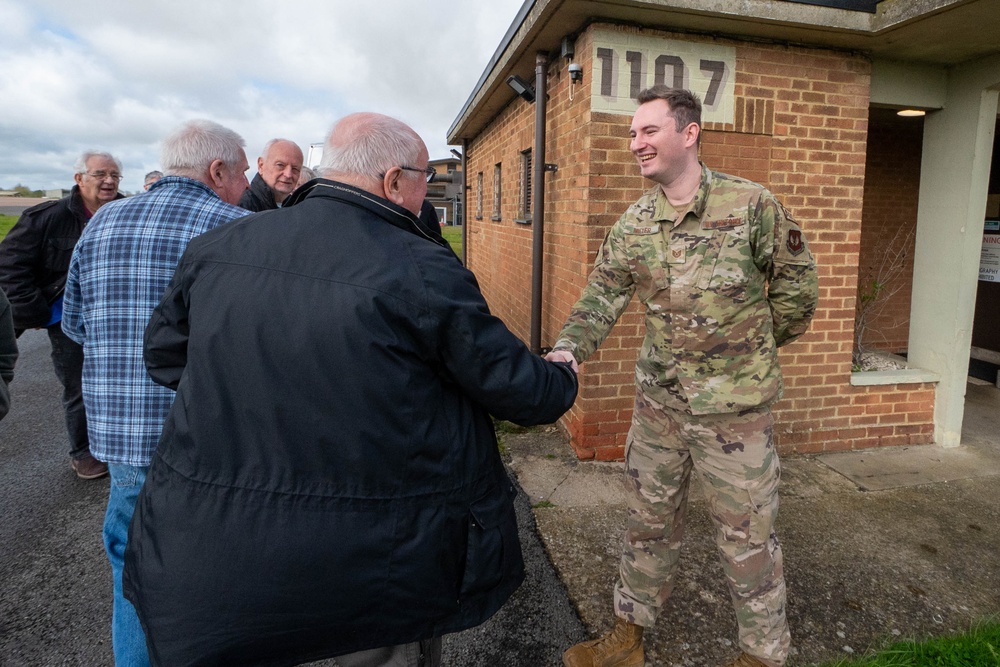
428 171
101 175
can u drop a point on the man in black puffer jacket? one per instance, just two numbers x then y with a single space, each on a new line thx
328 480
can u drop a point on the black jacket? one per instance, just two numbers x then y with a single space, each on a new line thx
8 353
259 196
328 479
429 220
34 257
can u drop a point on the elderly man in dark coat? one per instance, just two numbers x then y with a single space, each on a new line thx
328 480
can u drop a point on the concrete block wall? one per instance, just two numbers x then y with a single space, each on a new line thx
801 130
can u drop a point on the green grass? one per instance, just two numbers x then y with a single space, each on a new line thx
978 647
6 222
453 235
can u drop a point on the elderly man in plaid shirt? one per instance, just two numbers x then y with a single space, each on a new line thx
119 271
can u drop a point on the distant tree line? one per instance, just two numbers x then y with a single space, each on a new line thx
24 191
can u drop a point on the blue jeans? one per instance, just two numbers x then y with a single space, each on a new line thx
67 360
127 637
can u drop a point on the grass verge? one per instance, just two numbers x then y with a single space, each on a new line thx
453 235
978 647
6 222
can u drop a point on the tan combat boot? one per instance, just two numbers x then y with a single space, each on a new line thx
622 647
745 660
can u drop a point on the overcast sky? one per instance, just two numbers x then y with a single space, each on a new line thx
118 75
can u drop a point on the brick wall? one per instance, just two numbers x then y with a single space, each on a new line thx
499 251
800 129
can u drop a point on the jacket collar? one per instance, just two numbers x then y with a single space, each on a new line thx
665 211
383 208
78 208
261 190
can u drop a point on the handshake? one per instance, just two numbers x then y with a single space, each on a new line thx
563 355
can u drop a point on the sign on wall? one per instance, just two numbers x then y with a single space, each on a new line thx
989 259
625 64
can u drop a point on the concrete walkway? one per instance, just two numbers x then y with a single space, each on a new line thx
878 544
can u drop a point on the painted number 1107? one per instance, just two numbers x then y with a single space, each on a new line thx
668 69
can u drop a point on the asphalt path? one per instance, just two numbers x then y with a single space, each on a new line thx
55 582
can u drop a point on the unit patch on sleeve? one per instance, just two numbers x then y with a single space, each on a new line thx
794 242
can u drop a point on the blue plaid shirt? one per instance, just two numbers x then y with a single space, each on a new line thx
119 272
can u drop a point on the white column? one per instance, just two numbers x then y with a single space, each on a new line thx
954 174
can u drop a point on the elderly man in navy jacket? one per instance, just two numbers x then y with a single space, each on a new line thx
328 481
34 260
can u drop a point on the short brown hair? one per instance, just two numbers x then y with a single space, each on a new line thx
685 106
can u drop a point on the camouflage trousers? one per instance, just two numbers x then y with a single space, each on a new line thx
734 457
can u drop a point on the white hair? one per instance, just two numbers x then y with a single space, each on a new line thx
81 164
191 148
369 144
272 142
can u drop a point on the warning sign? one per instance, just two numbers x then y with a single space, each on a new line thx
989 259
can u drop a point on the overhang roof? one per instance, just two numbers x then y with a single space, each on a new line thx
931 32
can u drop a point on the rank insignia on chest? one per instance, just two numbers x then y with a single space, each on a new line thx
794 242
677 255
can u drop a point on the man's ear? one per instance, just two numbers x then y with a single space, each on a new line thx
78 178
691 133
217 173
260 164
391 185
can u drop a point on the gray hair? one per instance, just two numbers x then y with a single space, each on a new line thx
307 174
81 164
272 142
153 175
369 144
191 148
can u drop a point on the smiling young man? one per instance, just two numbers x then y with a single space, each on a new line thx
34 259
278 170
726 278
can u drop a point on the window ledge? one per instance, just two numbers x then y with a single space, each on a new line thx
897 376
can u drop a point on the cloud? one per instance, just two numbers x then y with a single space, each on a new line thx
120 75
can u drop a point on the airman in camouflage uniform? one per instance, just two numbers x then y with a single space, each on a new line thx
726 278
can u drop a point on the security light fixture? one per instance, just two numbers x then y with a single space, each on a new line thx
521 87
911 112
568 48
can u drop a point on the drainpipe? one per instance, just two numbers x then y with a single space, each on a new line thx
465 200
538 208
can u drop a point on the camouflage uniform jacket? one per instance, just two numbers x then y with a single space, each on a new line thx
724 282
